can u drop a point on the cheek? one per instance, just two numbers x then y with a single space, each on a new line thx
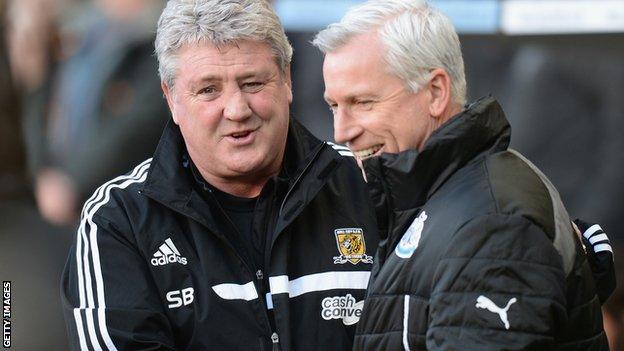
270 106
202 122
379 124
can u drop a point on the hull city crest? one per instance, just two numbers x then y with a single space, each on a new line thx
351 246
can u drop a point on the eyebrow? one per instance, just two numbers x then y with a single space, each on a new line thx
206 78
352 97
246 75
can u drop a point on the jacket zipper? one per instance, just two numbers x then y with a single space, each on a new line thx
275 341
305 169
274 335
259 275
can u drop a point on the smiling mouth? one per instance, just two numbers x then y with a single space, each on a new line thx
242 134
371 151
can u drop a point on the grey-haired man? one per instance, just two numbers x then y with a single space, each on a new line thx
244 232
480 253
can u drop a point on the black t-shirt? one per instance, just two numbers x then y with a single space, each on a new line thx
240 212
245 221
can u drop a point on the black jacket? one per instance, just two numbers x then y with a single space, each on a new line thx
480 255
152 269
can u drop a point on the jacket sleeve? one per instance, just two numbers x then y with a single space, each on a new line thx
600 258
499 286
109 299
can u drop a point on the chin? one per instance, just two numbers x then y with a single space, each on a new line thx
257 161
247 167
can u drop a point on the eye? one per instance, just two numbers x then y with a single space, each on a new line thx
252 87
365 104
207 90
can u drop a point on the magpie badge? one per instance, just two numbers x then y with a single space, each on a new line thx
409 242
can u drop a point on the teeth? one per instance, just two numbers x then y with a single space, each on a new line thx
238 135
368 152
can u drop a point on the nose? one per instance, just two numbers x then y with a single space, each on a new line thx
237 107
345 126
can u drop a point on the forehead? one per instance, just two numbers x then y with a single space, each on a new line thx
356 67
239 57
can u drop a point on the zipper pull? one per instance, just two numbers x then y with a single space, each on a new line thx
275 341
259 274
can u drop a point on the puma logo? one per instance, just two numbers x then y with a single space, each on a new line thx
485 303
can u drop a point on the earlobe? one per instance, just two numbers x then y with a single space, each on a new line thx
290 95
440 92
288 83
169 97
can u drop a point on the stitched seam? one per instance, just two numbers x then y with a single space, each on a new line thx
502 260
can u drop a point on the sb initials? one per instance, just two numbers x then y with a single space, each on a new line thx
180 298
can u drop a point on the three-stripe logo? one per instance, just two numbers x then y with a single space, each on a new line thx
167 253
598 239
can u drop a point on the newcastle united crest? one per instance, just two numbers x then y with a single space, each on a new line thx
351 246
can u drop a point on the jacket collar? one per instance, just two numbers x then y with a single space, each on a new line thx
170 181
407 179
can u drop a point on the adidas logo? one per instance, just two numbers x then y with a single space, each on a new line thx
167 253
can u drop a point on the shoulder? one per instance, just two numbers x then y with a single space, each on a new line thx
113 198
519 188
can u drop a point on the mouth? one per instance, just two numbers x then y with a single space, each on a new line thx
368 152
241 134
241 137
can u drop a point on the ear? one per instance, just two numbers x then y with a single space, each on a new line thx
288 83
439 92
170 98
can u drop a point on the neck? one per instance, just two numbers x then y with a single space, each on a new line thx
239 187
242 186
452 110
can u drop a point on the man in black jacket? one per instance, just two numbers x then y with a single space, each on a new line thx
243 232
480 253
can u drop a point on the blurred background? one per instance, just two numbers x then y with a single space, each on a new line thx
80 103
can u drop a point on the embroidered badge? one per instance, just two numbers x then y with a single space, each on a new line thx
409 242
351 246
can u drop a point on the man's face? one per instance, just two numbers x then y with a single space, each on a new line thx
231 104
373 110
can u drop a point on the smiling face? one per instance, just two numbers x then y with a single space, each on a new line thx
373 110
232 104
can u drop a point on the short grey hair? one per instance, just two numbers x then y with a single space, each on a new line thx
220 23
418 38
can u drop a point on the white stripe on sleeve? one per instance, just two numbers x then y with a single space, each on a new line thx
596 238
603 247
591 230
85 286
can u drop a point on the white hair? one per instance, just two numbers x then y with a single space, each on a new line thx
418 38
217 22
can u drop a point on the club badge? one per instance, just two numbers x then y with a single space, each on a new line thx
409 242
351 246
